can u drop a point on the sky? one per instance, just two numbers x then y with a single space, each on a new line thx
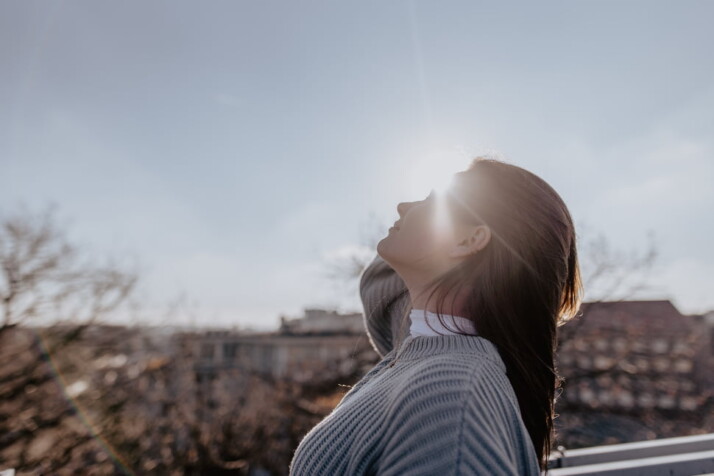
235 149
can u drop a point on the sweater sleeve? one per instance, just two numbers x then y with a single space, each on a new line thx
450 426
385 299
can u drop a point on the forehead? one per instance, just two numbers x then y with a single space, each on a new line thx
459 177
464 187
462 182
464 194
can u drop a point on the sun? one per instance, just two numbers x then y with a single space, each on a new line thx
434 171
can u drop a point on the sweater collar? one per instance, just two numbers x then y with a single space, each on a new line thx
415 347
426 323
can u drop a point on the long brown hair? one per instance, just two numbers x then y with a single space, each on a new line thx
519 288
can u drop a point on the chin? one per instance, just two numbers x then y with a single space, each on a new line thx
381 251
379 247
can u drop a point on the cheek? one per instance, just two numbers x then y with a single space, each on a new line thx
416 243
421 236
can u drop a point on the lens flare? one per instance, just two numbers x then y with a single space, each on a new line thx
443 222
120 464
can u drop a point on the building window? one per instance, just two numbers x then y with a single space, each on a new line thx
207 351
620 344
626 399
659 346
680 346
639 345
601 344
230 349
688 403
666 401
603 362
661 364
646 400
583 362
642 364
587 395
604 381
683 365
605 397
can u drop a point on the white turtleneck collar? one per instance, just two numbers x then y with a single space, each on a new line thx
419 326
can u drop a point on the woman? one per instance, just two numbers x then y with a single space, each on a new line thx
485 271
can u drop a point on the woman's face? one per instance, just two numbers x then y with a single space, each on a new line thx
426 235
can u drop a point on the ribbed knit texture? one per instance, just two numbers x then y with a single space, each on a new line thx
435 405
379 284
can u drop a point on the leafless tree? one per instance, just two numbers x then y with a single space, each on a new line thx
77 395
44 281
348 266
48 300
609 275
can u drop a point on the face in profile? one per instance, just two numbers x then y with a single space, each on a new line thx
430 236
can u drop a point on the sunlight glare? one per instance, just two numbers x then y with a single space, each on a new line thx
435 172
442 220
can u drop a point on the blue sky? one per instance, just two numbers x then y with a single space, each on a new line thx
234 148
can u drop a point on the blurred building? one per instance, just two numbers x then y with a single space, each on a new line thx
634 355
320 321
626 355
320 344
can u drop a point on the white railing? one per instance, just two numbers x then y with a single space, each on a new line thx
681 456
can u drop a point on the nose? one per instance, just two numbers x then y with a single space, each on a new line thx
402 208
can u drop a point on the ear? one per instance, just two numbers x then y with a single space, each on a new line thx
476 240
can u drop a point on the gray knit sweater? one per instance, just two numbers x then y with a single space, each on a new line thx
434 405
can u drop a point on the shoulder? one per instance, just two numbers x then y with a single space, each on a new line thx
459 402
458 387
466 375
467 363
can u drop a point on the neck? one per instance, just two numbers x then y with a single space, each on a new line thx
418 297
427 323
